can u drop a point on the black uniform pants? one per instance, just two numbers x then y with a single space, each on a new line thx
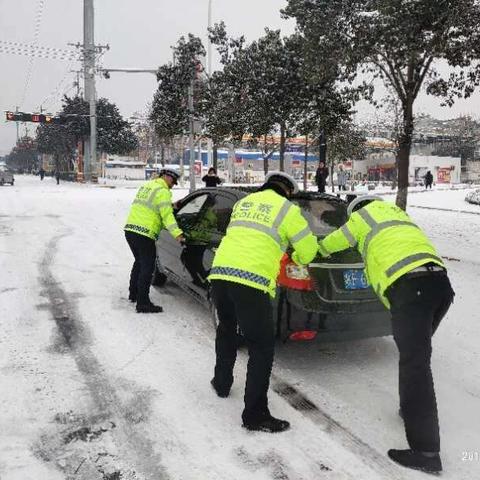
418 304
144 251
251 309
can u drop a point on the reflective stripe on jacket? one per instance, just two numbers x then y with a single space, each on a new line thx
261 227
152 211
390 243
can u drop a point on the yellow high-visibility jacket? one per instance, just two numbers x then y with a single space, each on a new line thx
152 211
261 227
390 243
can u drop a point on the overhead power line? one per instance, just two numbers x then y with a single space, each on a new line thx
38 52
31 46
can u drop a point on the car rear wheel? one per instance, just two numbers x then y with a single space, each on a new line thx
283 309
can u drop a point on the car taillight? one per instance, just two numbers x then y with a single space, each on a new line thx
294 276
303 335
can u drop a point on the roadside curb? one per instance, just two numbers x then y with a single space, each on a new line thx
444 209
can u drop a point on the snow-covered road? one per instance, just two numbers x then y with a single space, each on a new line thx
91 390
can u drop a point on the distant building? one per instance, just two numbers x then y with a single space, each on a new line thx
444 169
125 168
472 171
380 165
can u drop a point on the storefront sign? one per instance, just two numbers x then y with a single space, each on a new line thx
444 175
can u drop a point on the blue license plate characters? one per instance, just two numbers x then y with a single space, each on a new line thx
354 280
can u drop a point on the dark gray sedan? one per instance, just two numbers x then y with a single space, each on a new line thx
328 300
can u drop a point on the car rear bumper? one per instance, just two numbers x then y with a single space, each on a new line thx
313 301
304 311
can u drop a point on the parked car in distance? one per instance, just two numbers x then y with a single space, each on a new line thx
328 300
6 176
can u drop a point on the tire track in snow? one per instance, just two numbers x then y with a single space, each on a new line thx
74 335
334 429
278 467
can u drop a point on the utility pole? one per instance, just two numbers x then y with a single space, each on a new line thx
305 167
16 123
89 79
322 148
209 71
191 146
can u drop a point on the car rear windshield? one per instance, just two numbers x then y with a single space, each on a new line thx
322 214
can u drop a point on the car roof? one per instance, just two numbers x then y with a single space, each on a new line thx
242 191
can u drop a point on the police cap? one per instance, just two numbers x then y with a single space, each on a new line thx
284 179
171 173
360 202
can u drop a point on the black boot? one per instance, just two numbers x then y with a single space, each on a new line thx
428 462
221 392
149 308
267 424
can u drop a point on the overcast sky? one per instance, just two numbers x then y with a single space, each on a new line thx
140 34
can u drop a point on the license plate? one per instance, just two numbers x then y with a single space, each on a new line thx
354 280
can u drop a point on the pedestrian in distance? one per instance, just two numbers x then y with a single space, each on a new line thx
151 212
341 178
321 176
243 281
211 179
57 176
428 180
404 269
41 172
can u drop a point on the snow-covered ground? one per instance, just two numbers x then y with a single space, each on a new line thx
91 390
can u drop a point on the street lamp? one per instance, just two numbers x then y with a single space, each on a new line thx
209 43
209 72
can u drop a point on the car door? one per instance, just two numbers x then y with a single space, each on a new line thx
205 236
169 250
223 206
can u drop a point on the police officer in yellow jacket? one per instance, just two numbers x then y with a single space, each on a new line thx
410 278
243 278
151 212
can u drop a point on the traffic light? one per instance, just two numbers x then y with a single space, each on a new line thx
18 117
34 117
